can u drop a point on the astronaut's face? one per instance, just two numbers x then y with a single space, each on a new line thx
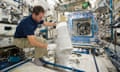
38 17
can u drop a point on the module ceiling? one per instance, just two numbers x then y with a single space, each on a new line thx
69 5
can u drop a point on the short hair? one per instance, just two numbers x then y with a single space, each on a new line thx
38 9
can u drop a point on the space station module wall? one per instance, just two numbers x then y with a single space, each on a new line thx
64 44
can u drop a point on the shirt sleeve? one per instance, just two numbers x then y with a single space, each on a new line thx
28 30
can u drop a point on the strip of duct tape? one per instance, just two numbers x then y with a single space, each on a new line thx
80 52
61 66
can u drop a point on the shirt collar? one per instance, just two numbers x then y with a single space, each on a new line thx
33 19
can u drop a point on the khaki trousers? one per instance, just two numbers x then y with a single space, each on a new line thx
24 43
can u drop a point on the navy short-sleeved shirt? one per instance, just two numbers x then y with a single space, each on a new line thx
26 27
